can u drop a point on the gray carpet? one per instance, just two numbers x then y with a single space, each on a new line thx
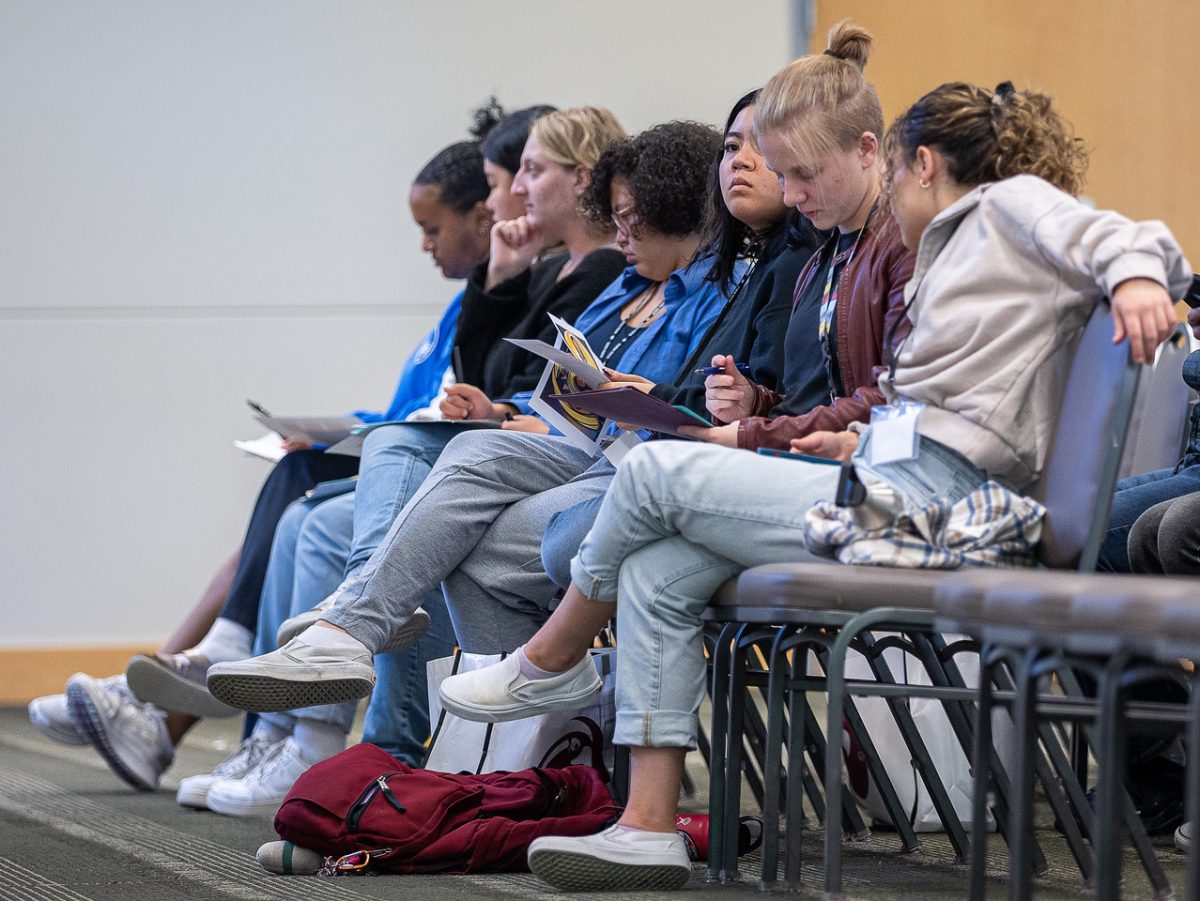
70 831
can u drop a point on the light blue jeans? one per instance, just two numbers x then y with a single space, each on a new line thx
680 519
318 544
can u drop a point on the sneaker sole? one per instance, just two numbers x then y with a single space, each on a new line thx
156 684
573 872
220 805
268 694
84 712
507 714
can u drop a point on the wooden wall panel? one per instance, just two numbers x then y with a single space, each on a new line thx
1124 72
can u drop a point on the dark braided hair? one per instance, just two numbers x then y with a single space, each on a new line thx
458 169
502 145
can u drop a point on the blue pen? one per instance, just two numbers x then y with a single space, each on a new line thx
743 368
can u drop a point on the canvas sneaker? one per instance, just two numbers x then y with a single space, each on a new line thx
1183 837
175 682
615 860
298 675
499 692
50 717
408 634
262 788
129 734
193 790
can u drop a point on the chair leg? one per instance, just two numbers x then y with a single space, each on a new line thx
1112 753
852 821
794 827
772 765
717 769
989 661
1020 863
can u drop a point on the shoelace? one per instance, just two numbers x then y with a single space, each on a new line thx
274 758
245 758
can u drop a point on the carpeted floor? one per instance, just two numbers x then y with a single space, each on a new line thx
70 831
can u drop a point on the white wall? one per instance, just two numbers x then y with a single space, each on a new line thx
203 202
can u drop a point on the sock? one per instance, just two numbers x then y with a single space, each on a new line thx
266 729
321 637
318 740
226 641
528 670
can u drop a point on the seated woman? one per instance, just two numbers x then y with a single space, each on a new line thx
979 182
137 739
647 320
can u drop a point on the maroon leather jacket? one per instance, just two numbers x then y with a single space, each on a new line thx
870 306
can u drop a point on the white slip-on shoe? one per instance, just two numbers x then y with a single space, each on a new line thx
287 859
408 634
193 790
615 860
49 715
175 682
262 788
298 675
498 693
130 735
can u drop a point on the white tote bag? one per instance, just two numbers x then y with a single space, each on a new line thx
934 727
556 739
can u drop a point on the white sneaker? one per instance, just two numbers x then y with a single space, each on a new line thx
615 860
50 717
263 787
193 791
498 693
408 634
297 675
130 735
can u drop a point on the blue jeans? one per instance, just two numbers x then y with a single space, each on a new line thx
315 550
564 534
679 520
1134 496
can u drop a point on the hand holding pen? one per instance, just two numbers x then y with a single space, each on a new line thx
729 395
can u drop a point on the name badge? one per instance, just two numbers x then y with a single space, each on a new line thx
894 432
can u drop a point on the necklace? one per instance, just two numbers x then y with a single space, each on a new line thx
623 323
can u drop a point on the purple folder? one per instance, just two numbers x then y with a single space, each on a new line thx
630 405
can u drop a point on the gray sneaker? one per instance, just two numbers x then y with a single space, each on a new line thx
193 790
498 693
129 734
175 682
408 634
297 675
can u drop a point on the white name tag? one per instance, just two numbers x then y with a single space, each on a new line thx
894 432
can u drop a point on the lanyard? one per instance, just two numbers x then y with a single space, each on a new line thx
829 294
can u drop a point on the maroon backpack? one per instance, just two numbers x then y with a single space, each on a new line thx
423 821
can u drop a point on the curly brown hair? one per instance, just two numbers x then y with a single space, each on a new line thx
989 135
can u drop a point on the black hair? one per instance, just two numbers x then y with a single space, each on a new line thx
458 169
502 145
727 238
666 168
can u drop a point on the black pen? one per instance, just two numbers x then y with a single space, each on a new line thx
258 408
743 368
458 370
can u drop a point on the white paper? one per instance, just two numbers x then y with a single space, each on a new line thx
269 447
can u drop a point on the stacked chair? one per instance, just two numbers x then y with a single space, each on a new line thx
772 619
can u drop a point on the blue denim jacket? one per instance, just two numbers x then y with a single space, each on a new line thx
692 303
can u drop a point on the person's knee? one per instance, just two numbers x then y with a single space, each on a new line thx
1178 537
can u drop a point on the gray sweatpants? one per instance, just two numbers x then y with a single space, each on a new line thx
475 525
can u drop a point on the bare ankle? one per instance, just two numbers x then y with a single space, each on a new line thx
328 625
551 661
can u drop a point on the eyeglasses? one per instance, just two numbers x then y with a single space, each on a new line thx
626 220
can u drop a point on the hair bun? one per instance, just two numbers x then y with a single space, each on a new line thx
850 43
